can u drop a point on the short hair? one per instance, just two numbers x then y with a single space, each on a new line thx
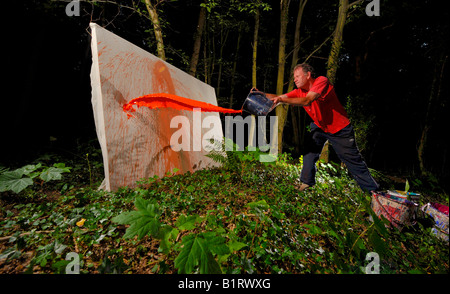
306 68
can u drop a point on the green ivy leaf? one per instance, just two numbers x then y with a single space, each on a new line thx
313 229
259 205
236 246
58 247
187 222
165 234
190 188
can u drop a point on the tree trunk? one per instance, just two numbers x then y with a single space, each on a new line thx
281 110
333 59
255 48
197 41
421 149
211 57
208 58
223 39
251 137
432 101
302 5
205 61
156 28
295 114
235 61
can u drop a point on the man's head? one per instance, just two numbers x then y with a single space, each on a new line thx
303 74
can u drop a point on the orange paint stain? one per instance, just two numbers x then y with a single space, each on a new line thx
164 100
173 105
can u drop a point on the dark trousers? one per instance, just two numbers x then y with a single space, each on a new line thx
344 144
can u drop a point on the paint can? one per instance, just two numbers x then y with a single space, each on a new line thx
258 104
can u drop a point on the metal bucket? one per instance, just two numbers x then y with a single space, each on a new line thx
257 103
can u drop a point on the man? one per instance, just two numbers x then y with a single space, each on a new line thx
330 122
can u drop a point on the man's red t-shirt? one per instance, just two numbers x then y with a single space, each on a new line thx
326 111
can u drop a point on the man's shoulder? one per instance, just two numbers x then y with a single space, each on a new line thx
321 79
320 83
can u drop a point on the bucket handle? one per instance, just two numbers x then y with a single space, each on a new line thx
254 90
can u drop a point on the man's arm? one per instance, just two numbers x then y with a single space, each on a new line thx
300 101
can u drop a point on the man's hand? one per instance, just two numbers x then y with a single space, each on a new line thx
276 99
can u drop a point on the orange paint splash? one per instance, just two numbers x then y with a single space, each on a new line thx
163 100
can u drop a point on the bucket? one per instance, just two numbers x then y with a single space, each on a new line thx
257 103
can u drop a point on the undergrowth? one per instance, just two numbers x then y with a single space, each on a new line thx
244 217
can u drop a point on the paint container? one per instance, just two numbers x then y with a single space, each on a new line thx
258 104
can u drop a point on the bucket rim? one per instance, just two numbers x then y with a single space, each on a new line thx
256 92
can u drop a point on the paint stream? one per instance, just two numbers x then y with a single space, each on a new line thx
162 100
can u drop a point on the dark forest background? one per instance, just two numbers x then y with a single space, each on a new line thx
393 74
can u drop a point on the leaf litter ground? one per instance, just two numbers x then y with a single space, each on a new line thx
245 217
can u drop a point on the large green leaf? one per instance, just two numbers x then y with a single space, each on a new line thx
198 250
13 181
216 243
54 172
28 169
142 222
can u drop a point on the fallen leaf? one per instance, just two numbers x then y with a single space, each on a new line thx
80 223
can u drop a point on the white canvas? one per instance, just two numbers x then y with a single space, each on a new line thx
139 147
